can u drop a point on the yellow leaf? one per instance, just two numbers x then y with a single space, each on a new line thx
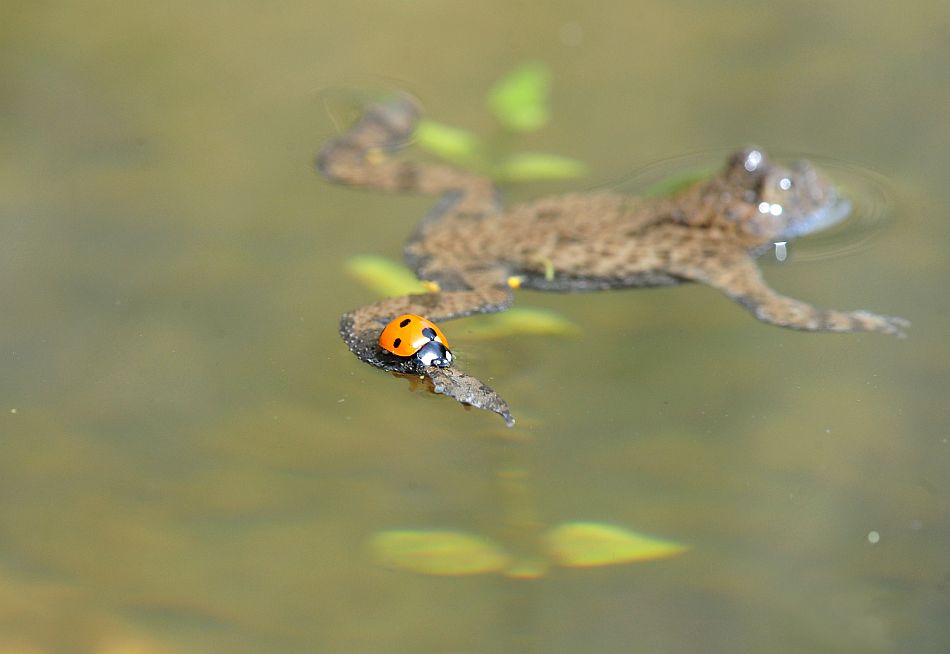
452 143
438 552
527 569
520 320
531 166
589 544
383 275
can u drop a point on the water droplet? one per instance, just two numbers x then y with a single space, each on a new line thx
781 250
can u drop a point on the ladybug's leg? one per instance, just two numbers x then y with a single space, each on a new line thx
358 158
360 330
737 275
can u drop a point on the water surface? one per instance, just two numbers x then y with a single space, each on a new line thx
190 461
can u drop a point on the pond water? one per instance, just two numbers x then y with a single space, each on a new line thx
191 461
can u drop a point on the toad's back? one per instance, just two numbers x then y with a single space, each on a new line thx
596 240
582 240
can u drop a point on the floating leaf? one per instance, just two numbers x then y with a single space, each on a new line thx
383 275
520 320
589 544
675 183
451 143
438 552
520 99
527 166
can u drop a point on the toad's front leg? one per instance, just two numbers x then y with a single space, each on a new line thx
735 273
358 157
361 329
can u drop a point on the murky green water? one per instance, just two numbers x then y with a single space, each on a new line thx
190 461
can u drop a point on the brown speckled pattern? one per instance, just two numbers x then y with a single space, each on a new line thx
470 246
469 390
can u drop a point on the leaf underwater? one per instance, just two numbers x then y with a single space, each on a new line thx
384 276
438 552
520 320
453 144
591 544
446 553
530 166
520 99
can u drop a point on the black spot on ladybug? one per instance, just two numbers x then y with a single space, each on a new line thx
396 343
404 323
429 333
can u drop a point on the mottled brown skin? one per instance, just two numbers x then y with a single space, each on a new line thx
476 251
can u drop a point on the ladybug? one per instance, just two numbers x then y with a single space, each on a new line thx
410 335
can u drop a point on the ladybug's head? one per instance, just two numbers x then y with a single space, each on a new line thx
436 354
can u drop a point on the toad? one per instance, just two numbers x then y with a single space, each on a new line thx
473 252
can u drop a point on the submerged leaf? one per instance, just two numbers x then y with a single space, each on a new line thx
451 143
589 544
520 320
527 569
520 99
527 166
383 275
438 552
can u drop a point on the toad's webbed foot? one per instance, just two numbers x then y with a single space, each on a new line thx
786 312
360 330
357 158
468 390
742 281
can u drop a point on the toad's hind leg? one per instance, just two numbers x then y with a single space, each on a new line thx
358 158
736 274
360 330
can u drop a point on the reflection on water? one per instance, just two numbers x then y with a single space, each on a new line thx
190 460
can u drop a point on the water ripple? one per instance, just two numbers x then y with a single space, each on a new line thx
871 195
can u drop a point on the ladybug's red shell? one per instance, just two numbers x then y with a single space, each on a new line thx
411 335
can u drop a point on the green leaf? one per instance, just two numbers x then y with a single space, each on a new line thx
383 275
438 552
527 166
589 544
520 320
520 99
674 184
451 143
